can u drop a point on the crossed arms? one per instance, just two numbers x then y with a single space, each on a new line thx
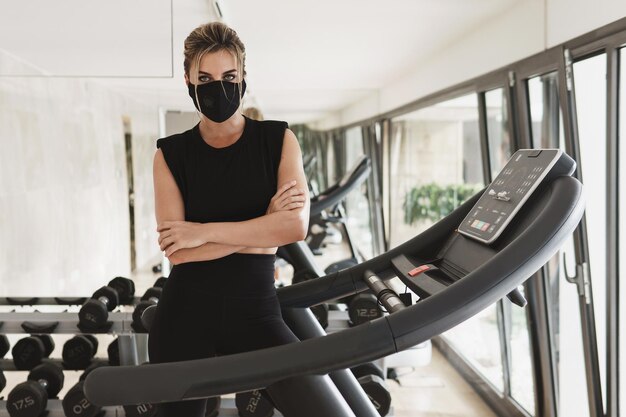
285 221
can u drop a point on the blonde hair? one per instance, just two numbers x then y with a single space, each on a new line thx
214 37
253 113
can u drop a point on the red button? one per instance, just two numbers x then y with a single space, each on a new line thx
418 270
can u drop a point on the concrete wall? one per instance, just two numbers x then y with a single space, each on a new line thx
528 28
64 217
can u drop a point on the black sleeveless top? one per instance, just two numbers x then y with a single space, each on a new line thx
227 184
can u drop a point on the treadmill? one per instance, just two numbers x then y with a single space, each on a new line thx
465 262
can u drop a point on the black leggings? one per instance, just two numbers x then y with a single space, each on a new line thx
219 307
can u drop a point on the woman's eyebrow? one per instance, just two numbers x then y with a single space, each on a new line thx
226 72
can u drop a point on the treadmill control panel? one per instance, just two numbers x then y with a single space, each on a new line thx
506 195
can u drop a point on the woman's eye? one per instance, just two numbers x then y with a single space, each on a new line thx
204 79
230 77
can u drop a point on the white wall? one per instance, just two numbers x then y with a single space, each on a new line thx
527 28
64 216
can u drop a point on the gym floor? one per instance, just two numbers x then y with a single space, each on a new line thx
435 390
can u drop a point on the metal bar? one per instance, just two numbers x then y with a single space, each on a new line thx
582 279
612 216
385 295
484 137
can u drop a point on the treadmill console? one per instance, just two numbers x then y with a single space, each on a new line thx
506 195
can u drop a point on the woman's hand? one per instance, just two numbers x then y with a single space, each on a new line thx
175 235
286 198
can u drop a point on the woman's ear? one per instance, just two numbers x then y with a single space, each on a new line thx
187 79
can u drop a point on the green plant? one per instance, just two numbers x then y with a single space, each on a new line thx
433 201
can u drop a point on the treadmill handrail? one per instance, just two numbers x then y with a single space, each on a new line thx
563 208
338 192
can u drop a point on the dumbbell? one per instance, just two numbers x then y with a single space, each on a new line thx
320 312
125 289
113 351
29 351
151 297
253 404
213 405
30 398
160 282
3 381
4 345
79 351
363 308
372 380
75 404
95 312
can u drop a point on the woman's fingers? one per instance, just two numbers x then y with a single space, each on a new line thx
291 197
284 188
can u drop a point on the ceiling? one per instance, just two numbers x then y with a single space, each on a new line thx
305 60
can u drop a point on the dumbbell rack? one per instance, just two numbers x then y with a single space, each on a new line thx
132 346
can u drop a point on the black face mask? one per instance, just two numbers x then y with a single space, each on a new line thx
219 100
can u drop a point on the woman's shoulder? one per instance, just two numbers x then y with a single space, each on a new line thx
271 128
175 140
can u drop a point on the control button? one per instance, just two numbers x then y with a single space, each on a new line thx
418 270
534 153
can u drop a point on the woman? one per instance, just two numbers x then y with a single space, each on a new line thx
221 216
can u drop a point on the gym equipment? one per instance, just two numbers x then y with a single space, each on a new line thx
363 308
125 289
456 275
372 380
160 282
329 200
29 351
3 381
253 404
113 352
75 404
150 298
30 398
79 351
213 405
94 314
4 345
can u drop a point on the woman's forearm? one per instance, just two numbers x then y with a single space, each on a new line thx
206 252
268 231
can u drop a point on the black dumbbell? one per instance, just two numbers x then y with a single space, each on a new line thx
213 405
30 398
3 381
4 345
113 351
150 298
363 308
253 404
371 379
141 410
75 404
95 312
29 351
79 351
160 282
320 312
125 289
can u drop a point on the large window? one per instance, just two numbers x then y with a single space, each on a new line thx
590 87
547 132
435 164
359 219
497 129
